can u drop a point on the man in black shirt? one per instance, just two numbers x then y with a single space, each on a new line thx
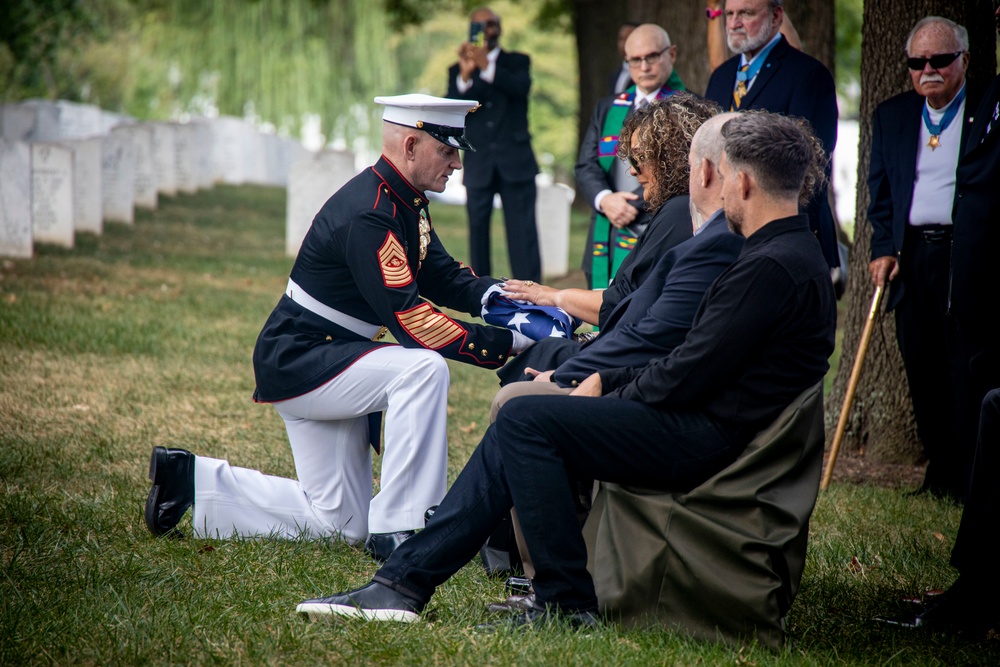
761 336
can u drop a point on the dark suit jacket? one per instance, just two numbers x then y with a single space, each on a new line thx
976 217
790 83
794 84
591 179
895 135
655 318
646 323
498 129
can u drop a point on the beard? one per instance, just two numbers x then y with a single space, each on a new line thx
748 42
734 220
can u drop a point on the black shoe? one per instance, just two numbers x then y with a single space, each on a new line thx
374 602
512 603
962 609
541 616
381 545
172 474
429 513
518 585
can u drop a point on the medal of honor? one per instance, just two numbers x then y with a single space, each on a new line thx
935 129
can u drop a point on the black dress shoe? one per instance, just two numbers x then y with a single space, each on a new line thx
172 474
518 585
374 602
540 616
962 609
512 603
381 545
429 512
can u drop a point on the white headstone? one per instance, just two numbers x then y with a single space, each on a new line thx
52 194
311 181
17 122
186 165
165 158
229 135
118 177
255 156
145 170
46 120
552 218
78 121
15 199
88 207
204 155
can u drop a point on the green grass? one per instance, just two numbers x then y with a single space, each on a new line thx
143 336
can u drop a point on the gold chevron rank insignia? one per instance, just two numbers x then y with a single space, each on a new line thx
392 259
428 327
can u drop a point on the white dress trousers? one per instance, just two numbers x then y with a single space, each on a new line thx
328 432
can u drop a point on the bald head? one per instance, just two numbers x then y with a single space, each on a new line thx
708 143
650 57
705 185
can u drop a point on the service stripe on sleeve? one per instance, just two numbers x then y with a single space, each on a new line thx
428 327
392 259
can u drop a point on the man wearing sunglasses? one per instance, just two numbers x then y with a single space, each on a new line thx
917 138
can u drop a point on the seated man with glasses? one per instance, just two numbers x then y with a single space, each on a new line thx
917 138
604 181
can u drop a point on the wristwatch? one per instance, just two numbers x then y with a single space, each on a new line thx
712 13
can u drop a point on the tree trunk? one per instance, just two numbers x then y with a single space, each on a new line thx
881 422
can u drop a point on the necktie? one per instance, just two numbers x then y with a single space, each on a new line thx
741 87
642 103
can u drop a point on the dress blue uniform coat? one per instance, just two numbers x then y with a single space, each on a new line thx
361 256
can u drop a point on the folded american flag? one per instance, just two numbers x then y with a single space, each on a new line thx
535 322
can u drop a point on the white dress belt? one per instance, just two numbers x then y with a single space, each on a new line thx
371 331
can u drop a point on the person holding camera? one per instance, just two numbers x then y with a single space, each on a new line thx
503 163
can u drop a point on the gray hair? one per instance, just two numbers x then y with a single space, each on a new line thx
775 149
959 32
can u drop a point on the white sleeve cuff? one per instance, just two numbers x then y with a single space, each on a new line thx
521 342
463 86
489 73
597 199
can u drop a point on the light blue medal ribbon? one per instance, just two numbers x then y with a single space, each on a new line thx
949 115
754 67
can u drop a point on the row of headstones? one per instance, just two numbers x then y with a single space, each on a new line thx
67 167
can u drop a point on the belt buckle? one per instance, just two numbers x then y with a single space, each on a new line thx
382 331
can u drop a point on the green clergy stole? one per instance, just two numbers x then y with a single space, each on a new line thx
610 245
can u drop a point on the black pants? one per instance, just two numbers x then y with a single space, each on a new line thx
527 459
518 199
975 552
936 364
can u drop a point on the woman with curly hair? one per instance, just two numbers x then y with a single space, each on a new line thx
655 141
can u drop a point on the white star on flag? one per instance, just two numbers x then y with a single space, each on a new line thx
557 332
518 319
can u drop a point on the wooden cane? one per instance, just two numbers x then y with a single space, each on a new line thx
852 386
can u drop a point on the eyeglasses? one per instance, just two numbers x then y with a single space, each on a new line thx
646 60
635 159
937 61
